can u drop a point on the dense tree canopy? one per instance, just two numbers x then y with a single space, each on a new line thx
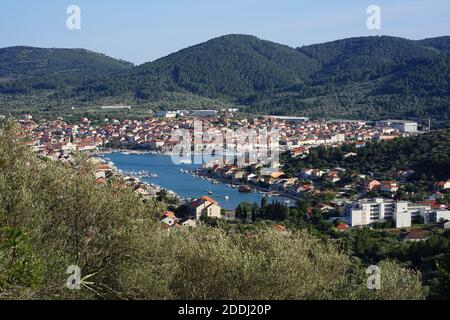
53 216
427 154
366 77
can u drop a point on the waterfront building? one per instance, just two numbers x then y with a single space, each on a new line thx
205 206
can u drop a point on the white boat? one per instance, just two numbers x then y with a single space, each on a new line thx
227 197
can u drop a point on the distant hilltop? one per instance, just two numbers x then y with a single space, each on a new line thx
375 77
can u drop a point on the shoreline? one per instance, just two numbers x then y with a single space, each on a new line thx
120 173
257 189
196 173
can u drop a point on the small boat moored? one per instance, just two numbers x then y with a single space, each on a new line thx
244 189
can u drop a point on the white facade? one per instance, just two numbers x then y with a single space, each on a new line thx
116 107
204 113
166 114
405 126
402 215
438 215
367 211
401 125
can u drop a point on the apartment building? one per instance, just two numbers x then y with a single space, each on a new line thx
367 211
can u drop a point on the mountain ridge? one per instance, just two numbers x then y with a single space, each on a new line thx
354 77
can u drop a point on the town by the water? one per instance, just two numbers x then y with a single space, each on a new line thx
346 198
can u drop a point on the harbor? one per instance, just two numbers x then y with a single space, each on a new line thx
184 181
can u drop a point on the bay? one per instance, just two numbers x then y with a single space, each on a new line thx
185 185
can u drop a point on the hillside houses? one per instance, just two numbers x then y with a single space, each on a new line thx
204 207
155 133
442 185
382 186
370 185
389 186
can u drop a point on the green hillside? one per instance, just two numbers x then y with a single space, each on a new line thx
27 69
364 77
427 154
53 216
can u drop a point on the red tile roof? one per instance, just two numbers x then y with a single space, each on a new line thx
342 226
206 198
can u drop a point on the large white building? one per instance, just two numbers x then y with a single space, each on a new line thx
116 108
401 125
367 211
204 113
288 119
166 114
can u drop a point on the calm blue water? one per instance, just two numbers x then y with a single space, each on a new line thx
185 185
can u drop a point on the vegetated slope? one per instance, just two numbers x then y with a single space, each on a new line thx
24 69
364 77
54 215
427 154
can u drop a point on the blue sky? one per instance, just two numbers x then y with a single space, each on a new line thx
144 30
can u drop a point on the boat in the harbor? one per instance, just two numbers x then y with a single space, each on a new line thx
244 189
210 192
227 197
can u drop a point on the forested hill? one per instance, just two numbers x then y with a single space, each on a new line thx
427 154
23 69
365 77
234 65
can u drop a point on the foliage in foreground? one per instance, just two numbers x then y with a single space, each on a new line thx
53 216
